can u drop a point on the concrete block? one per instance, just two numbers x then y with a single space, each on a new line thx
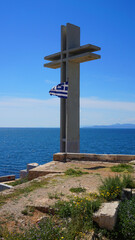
132 162
31 166
133 192
106 216
126 193
7 178
4 187
23 173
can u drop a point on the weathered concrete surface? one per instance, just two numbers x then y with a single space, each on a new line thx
106 216
132 162
7 178
31 166
59 167
70 109
116 158
43 170
4 187
23 173
60 157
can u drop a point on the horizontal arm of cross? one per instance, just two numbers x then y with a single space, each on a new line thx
84 57
78 55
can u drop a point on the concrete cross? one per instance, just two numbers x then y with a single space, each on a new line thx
69 59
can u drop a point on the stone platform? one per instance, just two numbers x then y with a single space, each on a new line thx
85 162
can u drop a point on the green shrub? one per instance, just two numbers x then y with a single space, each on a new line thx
18 181
74 172
122 168
128 182
72 220
24 212
125 226
63 209
126 220
111 187
53 195
47 231
79 210
28 211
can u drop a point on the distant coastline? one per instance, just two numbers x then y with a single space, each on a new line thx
114 126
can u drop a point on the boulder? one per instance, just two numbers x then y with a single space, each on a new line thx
106 216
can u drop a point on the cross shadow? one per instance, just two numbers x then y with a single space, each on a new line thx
95 168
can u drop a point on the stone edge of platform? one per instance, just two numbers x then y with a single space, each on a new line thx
114 158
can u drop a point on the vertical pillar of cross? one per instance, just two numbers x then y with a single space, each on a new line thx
69 59
70 71
63 100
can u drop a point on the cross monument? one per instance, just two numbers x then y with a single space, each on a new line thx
69 59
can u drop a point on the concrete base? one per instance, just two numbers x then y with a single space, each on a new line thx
126 194
23 173
43 170
62 161
4 187
114 158
7 178
31 166
133 192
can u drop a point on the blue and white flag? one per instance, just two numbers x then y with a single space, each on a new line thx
61 90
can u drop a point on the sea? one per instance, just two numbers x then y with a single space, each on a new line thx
20 146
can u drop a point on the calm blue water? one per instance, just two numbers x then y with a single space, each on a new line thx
19 146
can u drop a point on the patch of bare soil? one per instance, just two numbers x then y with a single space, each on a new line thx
14 214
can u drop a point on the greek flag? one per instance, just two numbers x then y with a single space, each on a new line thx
61 90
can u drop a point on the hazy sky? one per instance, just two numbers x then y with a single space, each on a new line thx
30 30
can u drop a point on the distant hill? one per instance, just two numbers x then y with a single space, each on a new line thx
117 125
